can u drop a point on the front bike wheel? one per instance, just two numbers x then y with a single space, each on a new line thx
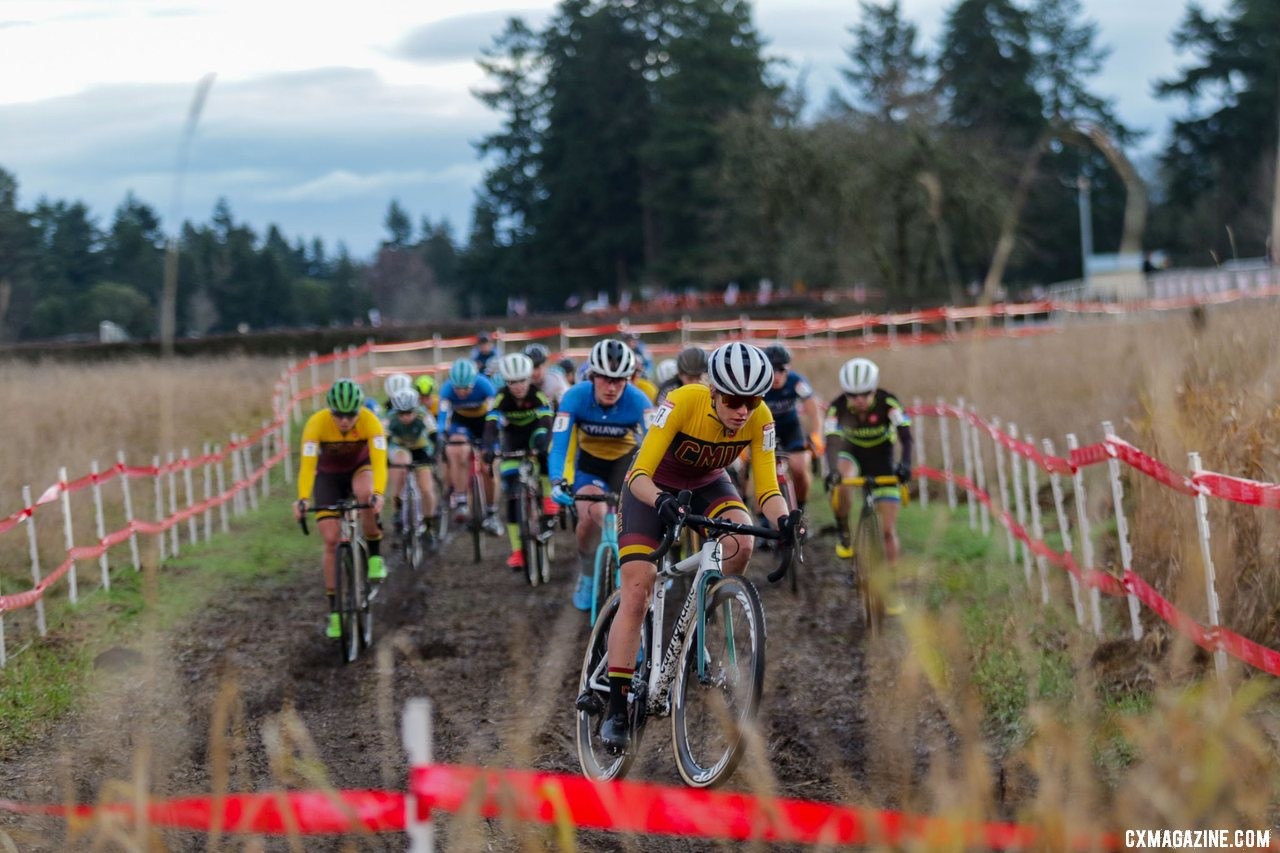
347 597
528 537
869 565
596 760
412 518
606 579
476 522
364 594
714 705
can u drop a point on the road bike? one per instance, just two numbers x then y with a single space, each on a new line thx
869 561
352 590
415 540
535 531
707 675
608 563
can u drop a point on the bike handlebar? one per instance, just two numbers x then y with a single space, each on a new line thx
340 507
606 497
889 480
786 554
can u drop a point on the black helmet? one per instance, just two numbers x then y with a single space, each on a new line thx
778 355
538 353
483 338
566 364
692 361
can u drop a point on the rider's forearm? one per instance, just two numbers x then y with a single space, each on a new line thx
645 490
905 439
775 508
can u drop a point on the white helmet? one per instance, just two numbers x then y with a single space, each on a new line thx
859 376
612 358
738 368
395 382
404 399
515 367
665 371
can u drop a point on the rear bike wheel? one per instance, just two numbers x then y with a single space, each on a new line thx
596 760
713 708
869 565
346 596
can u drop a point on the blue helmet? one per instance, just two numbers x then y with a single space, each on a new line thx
463 373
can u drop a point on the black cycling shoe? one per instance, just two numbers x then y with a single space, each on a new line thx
615 731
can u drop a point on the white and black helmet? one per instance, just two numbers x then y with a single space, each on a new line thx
738 368
515 367
612 358
859 376
395 382
665 371
404 399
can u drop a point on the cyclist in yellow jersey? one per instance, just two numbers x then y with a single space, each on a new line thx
344 453
693 435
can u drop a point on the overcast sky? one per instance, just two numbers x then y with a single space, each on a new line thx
317 120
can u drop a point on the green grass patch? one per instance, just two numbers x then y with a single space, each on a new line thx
46 678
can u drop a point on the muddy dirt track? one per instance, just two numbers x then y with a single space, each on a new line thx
499 659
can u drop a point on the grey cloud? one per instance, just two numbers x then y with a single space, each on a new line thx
460 38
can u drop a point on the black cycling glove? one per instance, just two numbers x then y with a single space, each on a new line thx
791 526
669 509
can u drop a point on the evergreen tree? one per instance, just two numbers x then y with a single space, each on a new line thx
888 74
399 226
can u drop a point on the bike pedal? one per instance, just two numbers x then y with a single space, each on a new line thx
590 703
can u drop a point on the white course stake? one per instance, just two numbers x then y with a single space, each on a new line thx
415 730
1086 539
1210 580
1059 505
945 433
100 524
128 512
72 585
315 371
293 395
174 532
966 458
266 457
1002 480
237 501
247 469
1019 503
208 493
219 472
193 526
980 473
1037 529
155 463
1122 531
288 455
918 462
337 363
33 546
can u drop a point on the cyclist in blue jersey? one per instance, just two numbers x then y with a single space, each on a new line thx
465 400
605 415
484 355
787 396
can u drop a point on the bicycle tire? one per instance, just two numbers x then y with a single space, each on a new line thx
789 495
476 522
412 515
528 538
869 562
710 712
364 610
596 761
605 579
345 596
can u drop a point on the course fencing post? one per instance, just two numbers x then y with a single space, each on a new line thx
436 357
951 326
966 456
1086 539
288 456
918 426
564 335
415 730
1037 529
337 363
100 524
266 455
295 396
980 472
193 527
1122 532
128 512
1055 482
155 463
33 546
315 375
208 494
1002 480
1019 503
373 356
173 505
1210 579
353 361
237 502
68 534
944 432
247 470
222 487
893 333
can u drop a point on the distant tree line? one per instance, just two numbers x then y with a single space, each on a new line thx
648 144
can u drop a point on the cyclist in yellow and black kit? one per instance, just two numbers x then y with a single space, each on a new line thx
863 427
693 435
344 453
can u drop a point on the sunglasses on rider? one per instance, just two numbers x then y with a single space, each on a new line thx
344 415
612 380
737 401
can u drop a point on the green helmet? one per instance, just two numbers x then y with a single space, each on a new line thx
425 384
345 397
463 373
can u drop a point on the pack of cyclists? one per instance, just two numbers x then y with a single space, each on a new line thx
605 427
